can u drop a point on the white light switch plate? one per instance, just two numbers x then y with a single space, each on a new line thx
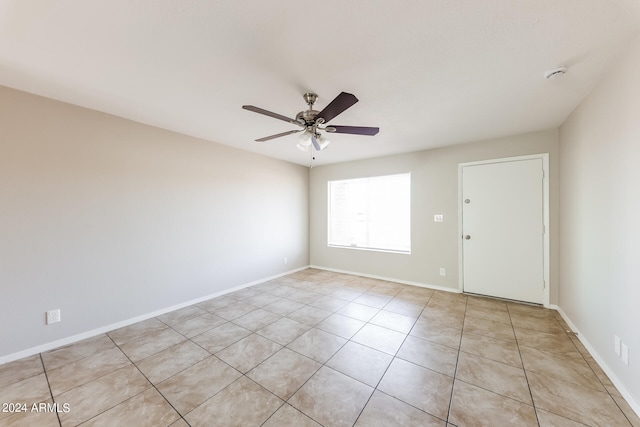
438 218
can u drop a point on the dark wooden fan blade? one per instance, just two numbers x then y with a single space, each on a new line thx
270 114
267 138
337 106
315 143
355 130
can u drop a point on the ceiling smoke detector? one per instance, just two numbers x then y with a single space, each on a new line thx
556 72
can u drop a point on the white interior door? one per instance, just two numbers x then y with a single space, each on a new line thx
503 229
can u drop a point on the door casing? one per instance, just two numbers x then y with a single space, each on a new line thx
545 202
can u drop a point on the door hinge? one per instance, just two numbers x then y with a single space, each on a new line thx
544 285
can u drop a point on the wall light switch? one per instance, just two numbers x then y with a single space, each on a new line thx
625 354
438 218
616 344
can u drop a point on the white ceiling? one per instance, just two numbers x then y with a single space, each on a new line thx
429 73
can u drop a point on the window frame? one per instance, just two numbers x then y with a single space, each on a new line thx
369 248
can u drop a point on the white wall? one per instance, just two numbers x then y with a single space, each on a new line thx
600 218
434 190
108 219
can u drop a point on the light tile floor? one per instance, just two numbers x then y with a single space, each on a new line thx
317 348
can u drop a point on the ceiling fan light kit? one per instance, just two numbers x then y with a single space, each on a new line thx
304 141
313 122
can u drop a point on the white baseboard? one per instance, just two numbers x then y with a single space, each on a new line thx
607 370
94 332
388 279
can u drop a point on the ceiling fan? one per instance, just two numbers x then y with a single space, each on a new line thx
312 122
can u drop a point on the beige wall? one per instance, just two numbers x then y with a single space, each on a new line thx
600 218
108 219
434 176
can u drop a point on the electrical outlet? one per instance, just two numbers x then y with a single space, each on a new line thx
285 260
443 272
438 218
53 316
625 354
616 344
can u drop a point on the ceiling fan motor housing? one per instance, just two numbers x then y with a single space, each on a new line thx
307 116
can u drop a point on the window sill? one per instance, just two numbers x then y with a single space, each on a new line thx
358 248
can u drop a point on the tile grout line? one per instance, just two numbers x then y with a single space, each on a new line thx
567 332
221 360
623 412
347 341
44 370
395 356
455 371
575 335
321 364
80 385
524 370
284 402
214 355
152 385
375 388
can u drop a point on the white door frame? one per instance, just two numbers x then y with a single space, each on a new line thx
545 202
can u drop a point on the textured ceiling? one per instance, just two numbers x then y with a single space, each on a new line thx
429 73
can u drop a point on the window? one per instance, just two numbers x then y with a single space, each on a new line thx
371 213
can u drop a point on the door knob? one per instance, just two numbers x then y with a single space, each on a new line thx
467 237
